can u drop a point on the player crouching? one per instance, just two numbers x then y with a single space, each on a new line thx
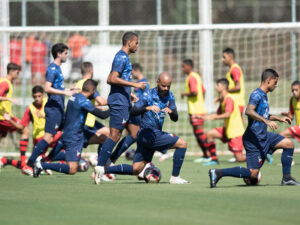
78 107
154 104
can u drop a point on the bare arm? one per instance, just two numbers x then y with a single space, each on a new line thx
114 78
12 122
189 94
50 90
101 101
284 119
217 116
236 88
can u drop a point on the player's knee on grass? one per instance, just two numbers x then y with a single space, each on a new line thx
181 143
138 167
73 167
254 173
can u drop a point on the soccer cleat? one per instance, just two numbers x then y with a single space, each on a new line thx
213 177
141 174
202 159
178 180
232 160
269 158
211 163
27 170
99 172
291 181
37 169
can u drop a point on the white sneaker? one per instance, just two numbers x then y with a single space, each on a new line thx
178 180
99 172
232 160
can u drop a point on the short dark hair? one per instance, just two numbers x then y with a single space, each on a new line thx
37 89
13 66
89 83
223 81
58 48
189 62
128 36
137 66
296 82
269 73
86 67
229 51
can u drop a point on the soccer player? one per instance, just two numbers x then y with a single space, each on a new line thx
73 133
6 101
257 140
36 114
233 128
235 78
134 121
153 106
54 108
119 99
195 93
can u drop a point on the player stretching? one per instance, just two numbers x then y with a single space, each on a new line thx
153 106
119 99
195 93
257 140
6 100
134 121
78 107
54 108
233 128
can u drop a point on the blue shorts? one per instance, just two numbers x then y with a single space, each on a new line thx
134 120
89 132
256 151
119 116
151 140
73 150
54 119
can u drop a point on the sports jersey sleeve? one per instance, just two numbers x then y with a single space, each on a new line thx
255 98
140 106
229 105
291 107
26 118
119 63
88 106
193 84
51 74
236 74
96 94
3 88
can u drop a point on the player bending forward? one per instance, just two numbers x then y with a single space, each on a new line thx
153 106
78 107
258 142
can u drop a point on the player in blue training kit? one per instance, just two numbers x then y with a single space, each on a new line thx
134 121
119 99
153 106
258 142
54 108
73 136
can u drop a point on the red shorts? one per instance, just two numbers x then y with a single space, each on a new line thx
196 121
295 131
234 144
6 127
57 136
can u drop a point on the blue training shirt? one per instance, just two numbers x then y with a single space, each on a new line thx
151 119
138 91
259 129
55 76
77 108
121 95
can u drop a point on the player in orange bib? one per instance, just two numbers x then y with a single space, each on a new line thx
235 78
233 128
195 93
294 111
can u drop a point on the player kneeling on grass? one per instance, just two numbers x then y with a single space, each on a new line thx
154 104
233 128
258 142
78 107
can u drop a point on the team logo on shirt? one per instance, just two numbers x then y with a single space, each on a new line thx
124 122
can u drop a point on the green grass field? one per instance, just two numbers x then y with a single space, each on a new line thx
61 199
